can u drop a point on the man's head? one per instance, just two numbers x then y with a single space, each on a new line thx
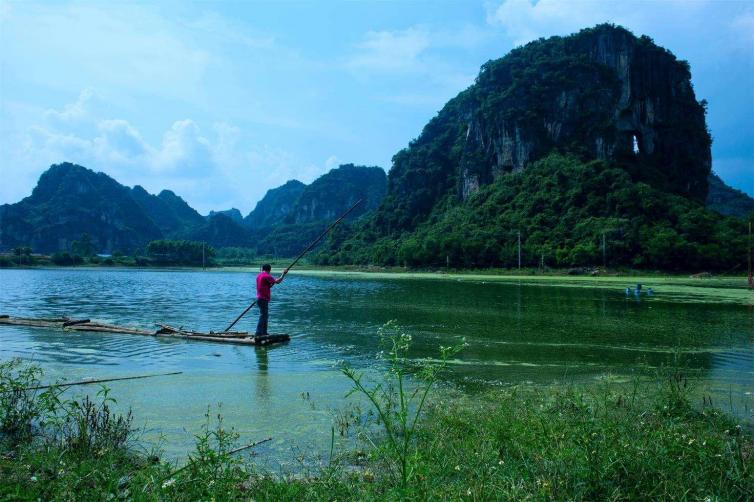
267 267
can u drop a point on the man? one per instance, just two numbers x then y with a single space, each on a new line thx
265 281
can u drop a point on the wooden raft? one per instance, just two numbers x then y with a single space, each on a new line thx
165 331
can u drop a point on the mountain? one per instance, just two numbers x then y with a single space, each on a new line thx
333 193
275 205
232 213
220 230
70 200
297 213
167 210
515 152
726 200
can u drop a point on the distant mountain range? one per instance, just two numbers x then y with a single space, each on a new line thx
70 200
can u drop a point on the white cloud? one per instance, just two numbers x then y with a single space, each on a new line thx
215 169
120 142
73 112
391 51
332 162
184 149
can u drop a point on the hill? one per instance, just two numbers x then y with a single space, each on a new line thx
276 204
167 210
514 152
301 212
232 213
70 200
728 201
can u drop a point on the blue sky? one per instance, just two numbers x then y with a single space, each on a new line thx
222 101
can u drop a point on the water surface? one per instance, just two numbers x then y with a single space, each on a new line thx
516 333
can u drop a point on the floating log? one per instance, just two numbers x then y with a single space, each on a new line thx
165 331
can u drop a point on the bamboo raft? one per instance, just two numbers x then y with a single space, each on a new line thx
164 331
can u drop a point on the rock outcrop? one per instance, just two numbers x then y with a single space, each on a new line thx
602 93
607 93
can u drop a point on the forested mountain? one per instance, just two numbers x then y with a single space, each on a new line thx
276 204
70 200
565 140
232 213
333 193
167 210
299 216
728 201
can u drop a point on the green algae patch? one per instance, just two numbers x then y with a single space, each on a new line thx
731 290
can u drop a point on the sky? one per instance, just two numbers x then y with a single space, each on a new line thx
221 101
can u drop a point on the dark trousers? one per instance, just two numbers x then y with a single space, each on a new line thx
264 310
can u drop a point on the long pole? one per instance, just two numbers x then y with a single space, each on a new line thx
519 249
301 255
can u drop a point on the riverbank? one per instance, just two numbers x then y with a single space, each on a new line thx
644 440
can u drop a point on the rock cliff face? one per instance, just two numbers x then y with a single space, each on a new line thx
616 96
600 94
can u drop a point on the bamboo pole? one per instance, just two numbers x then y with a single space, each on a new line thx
301 255
87 382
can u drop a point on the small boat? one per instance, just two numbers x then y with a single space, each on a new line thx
164 331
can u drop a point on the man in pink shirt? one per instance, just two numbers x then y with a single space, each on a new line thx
265 281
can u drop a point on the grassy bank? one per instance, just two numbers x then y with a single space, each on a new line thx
643 441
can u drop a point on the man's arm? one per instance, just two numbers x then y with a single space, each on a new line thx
282 276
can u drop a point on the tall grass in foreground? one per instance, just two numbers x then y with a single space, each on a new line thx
600 442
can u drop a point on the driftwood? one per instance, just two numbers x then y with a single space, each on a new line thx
101 380
165 331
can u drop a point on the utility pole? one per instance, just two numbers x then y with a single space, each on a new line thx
519 249
751 251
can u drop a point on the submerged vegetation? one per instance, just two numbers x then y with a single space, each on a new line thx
644 440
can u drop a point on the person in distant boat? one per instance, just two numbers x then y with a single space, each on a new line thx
265 281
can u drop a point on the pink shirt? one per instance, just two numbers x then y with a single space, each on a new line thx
264 282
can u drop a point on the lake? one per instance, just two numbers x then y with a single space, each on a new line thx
535 333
